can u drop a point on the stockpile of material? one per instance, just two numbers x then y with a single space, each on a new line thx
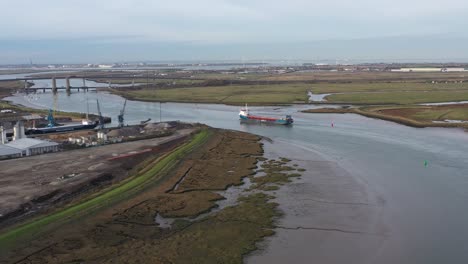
124 132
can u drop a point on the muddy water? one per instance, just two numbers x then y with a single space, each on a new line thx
411 213
329 216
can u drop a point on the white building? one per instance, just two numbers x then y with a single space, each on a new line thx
32 146
7 152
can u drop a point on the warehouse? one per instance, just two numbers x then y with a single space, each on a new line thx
7 152
32 146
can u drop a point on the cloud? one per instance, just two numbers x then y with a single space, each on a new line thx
87 25
218 21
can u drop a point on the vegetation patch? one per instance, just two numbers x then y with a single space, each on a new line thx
400 97
127 225
382 86
222 238
231 94
276 173
411 115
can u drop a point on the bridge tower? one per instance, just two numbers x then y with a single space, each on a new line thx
68 85
54 85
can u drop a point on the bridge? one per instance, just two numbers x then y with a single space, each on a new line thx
67 87
56 89
109 77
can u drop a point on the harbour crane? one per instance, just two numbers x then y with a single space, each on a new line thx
121 116
101 119
50 119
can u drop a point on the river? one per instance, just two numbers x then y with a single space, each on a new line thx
413 213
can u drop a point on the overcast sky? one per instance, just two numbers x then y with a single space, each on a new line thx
115 30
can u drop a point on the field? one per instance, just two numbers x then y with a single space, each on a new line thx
411 115
353 93
386 87
235 94
410 97
150 81
425 113
348 76
392 93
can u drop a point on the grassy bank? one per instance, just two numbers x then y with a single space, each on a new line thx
424 113
235 94
392 93
415 115
410 97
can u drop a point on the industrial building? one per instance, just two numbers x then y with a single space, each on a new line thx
22 146
7 152
32 146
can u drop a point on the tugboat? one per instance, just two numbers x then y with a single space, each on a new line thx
244 115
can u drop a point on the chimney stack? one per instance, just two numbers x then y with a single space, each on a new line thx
18 131
2 135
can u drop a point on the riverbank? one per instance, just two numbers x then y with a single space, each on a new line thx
181 184
9 87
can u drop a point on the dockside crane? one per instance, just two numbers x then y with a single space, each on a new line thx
101 119
122 113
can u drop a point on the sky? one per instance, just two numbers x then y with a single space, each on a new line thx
98 31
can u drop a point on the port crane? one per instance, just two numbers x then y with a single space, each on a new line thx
121 116
101 119
50 118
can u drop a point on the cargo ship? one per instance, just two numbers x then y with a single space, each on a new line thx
244 115
65 128
53 127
